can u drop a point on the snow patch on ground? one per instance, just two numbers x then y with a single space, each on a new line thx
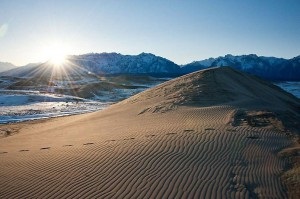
291 87
23 105
17 106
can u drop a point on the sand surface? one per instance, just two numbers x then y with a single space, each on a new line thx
211 134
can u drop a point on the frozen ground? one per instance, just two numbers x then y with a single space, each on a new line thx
291 87
16 106
34 100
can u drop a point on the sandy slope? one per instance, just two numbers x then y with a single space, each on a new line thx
210 134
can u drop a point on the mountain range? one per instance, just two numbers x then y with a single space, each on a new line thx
115 63
6 66
271 68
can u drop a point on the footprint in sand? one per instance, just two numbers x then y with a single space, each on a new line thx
110 140
89 143
253 137
188 130
45 148
129 138
150 135
67 145
171 133
23 150
231 130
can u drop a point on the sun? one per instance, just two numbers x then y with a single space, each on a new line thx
56 53
57 59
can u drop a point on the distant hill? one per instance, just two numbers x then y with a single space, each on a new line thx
271 68
22 71
6 66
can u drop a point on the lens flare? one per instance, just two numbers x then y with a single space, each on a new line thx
57 59
3 30
55 53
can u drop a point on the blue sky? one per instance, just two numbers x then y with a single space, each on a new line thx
182 31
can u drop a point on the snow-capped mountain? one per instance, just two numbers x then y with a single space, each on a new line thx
112 63
102 64
6 66
145 63
266 67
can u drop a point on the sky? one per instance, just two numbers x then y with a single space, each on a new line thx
180 30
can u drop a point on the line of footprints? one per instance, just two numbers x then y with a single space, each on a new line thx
132 138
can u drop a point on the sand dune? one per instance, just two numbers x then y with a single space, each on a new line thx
211 134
